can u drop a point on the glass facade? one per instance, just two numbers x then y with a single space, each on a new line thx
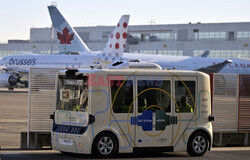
165 52
153 36
243 54
171 52
243 35
176 40
8 53
147 51
45 52
210 36
106 35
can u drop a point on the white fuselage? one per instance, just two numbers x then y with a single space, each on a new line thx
47 61
85 60
238 66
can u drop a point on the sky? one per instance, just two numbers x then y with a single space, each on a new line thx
18 16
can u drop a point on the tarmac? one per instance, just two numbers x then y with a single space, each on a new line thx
228 153
13 116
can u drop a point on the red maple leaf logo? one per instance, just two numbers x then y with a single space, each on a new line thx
65 37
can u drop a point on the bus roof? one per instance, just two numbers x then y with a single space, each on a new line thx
134 71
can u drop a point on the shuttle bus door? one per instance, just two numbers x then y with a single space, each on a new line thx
185 89
122 106
153 118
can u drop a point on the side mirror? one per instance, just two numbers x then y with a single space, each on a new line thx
91 119
211 118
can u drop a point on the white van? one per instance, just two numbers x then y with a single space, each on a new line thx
120 111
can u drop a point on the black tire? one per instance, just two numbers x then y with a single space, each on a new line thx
197 144
105 145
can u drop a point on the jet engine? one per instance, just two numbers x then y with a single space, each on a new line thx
8 80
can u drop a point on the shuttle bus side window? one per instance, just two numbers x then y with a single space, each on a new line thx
185 96
123 97
154 95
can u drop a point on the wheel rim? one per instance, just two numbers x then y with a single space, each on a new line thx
105 145
199 144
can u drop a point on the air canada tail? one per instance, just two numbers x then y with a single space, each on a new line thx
67 38
114 48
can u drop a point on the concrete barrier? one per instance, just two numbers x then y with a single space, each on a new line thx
224 139
38 140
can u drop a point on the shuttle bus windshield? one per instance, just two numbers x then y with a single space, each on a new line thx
72 94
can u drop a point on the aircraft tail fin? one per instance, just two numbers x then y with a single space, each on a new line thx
115 46
205 54
67 38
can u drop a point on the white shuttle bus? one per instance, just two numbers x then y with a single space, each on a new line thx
105 112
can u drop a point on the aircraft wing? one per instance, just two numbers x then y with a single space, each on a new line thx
215 68
16 71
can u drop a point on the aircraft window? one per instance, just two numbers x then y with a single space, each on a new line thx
185 96
150 98
124 97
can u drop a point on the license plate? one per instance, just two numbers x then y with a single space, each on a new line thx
68 142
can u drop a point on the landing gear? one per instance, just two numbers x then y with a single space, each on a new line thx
11 88
26 83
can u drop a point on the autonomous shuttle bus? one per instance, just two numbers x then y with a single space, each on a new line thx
105 112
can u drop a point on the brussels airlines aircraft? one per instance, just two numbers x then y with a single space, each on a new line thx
112 56
69 42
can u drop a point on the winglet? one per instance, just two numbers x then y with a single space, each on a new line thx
115 46
205 54
67 38
215 68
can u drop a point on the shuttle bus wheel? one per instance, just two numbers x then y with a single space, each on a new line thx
197 144
105 145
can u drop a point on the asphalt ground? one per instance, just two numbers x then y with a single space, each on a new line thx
13 116
229 153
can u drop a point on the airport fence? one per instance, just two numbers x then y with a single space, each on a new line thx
244 103
42 92
230 102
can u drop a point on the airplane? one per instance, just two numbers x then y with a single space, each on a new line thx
204 64
76 54
16 67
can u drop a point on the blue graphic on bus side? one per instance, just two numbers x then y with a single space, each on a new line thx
145 120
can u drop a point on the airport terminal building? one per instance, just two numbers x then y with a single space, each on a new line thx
225 40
